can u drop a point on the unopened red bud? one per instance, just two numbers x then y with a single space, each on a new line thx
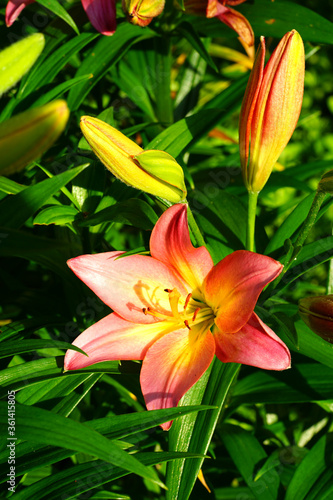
317 313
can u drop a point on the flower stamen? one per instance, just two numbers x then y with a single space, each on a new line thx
187 300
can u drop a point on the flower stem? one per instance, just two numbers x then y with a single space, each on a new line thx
251 221
195 228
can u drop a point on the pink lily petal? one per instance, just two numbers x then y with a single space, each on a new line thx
234 2
255 345
170 243
14 8
233 286
172 365
114 338
102 15
235 20
128 284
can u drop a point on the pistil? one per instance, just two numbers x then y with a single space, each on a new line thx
193 313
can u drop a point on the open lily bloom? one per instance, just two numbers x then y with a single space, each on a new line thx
101 13
175 310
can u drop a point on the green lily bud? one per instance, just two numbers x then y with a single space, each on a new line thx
164 167
155 172
24 137
326 182
317 313
17 59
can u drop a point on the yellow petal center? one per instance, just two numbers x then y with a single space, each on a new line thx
186 312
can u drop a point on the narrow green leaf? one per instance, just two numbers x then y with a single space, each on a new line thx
107 51
133 211
28 325
57 9
194 432
309 471
56 60
129 82
302 383
14 347
247 453
59 90
189 86
290 224
308 170
41 426
115 427
46 390
187 31
182 134
29 373
15 210
229 493
9 186
84 477
313 346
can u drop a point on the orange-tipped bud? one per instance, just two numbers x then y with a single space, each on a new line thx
142 12
270 109
317 313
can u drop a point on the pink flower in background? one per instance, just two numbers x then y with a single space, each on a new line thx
219 8
175 310
101 13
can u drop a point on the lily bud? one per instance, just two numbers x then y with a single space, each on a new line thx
270 109
24 137
17 59
326 182
317 313
142 12
155 172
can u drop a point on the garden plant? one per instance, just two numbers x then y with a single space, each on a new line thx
166 314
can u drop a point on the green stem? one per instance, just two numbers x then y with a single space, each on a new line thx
251 221
195 228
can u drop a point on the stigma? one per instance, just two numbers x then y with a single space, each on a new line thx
186 311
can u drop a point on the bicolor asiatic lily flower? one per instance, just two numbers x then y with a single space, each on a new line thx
175 310
271 108
220 9
101 13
